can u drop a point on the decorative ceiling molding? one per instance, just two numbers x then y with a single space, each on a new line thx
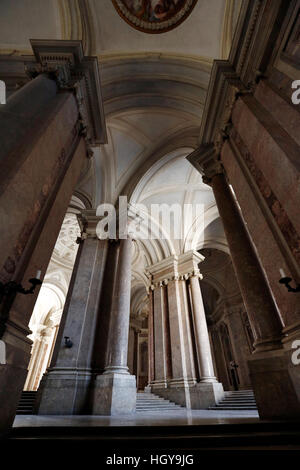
154 17
80 72
77 23
192 60
232 9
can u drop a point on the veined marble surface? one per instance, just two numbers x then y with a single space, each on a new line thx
179 418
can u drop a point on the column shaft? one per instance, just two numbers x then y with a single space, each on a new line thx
261 309
115 390
201 333
151 356
120 314
65 387
102 341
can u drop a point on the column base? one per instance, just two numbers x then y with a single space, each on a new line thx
199 396
276 384
64 392
208 394
114 394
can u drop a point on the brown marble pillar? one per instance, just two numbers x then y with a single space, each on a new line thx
162 350
201 333
42 153
151 354
174 345
136 356
65 388
115 389
261 309
102 342
120 314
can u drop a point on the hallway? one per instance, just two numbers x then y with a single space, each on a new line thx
191 432
150 226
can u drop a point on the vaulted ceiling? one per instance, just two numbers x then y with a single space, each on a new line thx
154 88
205 33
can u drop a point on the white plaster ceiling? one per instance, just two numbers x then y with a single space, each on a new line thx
105 31
199 34
135 140
154 89
66 248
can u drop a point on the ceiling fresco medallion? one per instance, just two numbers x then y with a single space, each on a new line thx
154 16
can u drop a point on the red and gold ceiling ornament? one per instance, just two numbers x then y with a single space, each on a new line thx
154 16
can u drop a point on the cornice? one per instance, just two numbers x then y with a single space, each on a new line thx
114 58
65 61
236 76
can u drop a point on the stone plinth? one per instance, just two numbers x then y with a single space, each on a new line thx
64 392
114 394
276 383
65 386
196 397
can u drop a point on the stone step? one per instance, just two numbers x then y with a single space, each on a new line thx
233 408
157 407
231 394
163 408
26 403
151 402
236 400
251 436
154 404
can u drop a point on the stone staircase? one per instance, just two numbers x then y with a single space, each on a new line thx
222 437
26 403
149 402
237 400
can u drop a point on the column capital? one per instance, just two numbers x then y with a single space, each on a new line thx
88 221
207 161
175 268
164 270
64 61
188 264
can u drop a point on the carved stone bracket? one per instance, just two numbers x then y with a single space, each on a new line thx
64 61
175 268
207 162
230 79
88 221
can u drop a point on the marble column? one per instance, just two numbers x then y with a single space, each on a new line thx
102 340
263 315
151 354
42 154
161 332
136 358
176 364
65 388
37 361
115 389
208 391
201 334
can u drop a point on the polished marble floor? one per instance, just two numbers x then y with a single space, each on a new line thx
178 418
